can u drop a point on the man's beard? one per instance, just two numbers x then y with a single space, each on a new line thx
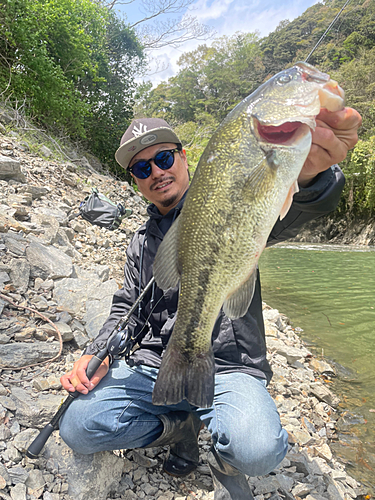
167 203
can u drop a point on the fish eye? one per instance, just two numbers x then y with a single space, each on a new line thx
283 79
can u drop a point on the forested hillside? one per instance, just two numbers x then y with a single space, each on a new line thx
73 66
213 79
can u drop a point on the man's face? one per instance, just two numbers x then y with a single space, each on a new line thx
164 188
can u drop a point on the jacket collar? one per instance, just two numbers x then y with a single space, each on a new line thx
156 216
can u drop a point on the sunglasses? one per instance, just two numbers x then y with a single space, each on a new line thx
164 160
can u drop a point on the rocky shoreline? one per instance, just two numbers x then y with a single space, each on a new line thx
61 272
338 232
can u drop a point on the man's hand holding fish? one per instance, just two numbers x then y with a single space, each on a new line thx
335 134
200 352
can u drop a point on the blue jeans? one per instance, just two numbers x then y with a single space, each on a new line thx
119 414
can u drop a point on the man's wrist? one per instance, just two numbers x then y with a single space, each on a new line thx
316 186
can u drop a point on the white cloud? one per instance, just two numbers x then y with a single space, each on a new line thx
206 10
228 17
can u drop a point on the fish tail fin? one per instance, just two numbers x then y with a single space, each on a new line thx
183 378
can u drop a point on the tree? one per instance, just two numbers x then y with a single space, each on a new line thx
73 62
155 31
358 200
357 77
40 68
212 80
111 97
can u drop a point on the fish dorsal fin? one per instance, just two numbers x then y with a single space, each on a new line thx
289 199
165 268
238 303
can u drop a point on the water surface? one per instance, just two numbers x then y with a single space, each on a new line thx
329 292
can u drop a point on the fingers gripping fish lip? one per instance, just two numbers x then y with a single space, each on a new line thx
331 95
290 99
328 94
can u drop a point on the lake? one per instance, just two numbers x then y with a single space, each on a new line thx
329 292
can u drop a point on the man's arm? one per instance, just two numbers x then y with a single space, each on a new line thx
319 198
320 181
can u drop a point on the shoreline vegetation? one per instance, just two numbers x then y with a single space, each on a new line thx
67 271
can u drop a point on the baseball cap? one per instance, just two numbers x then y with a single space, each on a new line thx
141 134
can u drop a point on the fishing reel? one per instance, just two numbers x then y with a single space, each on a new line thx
120 344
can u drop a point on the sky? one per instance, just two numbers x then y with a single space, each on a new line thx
226 17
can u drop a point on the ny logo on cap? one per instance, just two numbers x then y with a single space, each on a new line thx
137 131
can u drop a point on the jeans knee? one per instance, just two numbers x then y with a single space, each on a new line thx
81 434
268 455
256 456
74 437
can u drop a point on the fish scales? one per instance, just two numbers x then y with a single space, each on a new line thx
245 179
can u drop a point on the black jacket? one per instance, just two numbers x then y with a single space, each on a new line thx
237 344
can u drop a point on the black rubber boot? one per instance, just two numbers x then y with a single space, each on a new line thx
181 429
229 482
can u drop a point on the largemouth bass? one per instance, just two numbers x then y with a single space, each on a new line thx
245 180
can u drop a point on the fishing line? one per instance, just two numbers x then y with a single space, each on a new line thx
326 31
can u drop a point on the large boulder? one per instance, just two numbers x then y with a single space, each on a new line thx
20 354
35 413
102 471
48 262
11 169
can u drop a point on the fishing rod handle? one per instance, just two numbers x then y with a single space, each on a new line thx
34 449
95 362
36 446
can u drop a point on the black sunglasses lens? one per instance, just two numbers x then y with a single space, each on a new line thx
141 169
164 159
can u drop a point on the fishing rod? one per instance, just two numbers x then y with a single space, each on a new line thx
118 343
326 31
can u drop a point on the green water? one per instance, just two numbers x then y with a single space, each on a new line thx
329 292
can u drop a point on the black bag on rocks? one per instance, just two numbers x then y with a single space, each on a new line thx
101 211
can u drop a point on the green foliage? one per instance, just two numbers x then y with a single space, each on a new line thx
195 136
211 80
357 77
44 49
71 61
111 96
359 192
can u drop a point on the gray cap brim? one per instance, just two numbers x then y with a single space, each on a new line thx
129 149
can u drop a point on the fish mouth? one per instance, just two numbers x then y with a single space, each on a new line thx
283 134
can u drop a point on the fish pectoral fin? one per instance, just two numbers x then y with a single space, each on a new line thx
165 268
238 303
181 377
289 199
255 179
